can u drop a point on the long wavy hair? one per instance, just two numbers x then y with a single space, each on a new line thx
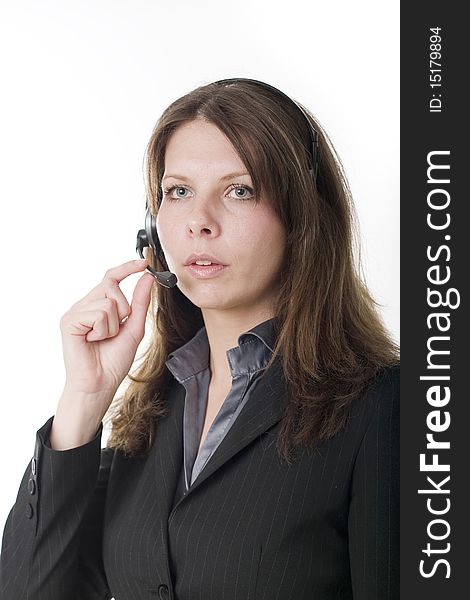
330 338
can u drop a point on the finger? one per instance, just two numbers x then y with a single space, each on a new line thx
84 323
109 306
135 324
111 281
114 298
100 329
111 309
117 274
121 305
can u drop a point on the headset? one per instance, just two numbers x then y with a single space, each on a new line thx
148 237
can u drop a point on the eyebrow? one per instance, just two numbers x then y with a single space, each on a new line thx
228 176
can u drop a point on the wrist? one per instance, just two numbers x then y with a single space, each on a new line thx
76 422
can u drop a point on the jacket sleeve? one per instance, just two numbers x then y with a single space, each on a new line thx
51 547
375 500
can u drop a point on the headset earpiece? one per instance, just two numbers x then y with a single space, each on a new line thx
149 237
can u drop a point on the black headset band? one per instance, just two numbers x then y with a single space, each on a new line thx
313 134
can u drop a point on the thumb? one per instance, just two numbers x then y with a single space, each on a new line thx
135 323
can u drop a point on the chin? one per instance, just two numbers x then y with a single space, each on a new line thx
207 297
210 303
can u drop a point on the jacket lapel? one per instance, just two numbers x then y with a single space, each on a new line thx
263 410
168 449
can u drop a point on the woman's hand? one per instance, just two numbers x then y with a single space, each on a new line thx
100 336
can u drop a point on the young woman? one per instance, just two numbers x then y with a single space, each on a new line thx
254 454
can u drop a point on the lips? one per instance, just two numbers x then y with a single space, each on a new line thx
193 258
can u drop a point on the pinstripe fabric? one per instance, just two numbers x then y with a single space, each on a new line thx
249 527
190 366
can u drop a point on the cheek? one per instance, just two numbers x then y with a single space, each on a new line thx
165 231
263 242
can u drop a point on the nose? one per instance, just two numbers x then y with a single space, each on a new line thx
202 222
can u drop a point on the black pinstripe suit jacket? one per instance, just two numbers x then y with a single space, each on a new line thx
250 527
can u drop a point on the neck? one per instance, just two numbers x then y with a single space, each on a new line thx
223 331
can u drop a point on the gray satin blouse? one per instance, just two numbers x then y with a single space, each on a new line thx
189 364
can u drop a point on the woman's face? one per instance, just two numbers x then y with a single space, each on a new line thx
208 209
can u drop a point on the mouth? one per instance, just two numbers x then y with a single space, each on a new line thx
203 260
205 269
204 263
204 266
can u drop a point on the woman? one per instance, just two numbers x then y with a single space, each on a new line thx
255 452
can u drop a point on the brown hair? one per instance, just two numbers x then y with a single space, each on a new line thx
332 345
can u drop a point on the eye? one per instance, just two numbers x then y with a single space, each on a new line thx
239 187
242 192
177 189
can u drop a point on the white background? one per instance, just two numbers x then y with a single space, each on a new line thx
83 83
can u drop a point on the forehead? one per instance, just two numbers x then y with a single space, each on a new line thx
199 146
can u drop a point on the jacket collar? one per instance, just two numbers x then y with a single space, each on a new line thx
253 353
262 412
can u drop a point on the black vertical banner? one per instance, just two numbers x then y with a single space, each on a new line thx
435 233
